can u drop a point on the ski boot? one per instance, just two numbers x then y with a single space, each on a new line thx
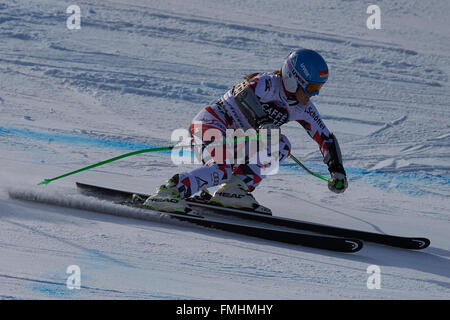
234 194
167 198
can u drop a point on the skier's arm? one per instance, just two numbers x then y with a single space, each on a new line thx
328 145
333 157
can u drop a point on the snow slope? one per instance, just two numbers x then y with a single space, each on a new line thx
137 70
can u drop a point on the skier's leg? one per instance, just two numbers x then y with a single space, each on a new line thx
189 183
245 178
170 197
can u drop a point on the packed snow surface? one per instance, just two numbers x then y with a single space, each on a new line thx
137 70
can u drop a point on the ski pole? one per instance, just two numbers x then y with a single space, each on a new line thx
307 170
47 181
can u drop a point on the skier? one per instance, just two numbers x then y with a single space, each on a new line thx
262 100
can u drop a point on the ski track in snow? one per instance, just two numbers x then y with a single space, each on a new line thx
136 71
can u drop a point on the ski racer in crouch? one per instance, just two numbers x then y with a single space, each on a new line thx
262 100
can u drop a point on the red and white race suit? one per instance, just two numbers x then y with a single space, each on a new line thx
226 114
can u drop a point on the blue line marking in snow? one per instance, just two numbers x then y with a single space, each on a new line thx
415 183
411 183
55 290
73 139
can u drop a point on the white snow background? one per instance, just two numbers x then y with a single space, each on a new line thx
137 70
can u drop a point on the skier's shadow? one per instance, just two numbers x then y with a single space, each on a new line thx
429 260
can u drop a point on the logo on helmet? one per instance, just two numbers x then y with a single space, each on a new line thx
296 74
305 70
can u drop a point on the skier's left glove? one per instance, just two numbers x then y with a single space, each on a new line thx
338 182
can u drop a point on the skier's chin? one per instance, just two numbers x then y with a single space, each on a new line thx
301 97
303 103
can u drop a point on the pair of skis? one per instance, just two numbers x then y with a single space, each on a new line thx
324 237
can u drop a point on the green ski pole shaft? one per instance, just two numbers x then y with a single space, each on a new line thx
47 181
307 170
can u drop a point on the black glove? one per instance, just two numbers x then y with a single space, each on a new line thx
338 182
269 135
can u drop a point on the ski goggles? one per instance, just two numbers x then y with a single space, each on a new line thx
312 89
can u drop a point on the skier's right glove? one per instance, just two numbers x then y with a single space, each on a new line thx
338 182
